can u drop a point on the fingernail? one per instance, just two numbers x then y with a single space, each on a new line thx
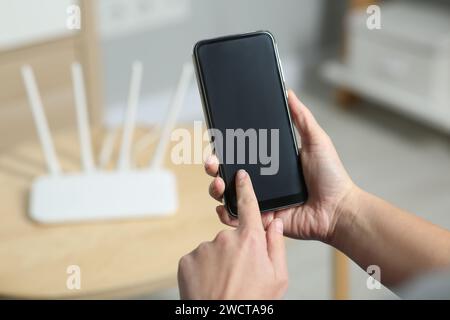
278 225
241 175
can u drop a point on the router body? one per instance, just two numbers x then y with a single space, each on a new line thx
103 195
93 193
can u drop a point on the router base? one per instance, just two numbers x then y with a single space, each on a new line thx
103 195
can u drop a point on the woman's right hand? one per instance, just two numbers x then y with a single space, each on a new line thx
330 188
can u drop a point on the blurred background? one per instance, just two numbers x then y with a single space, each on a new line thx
382 95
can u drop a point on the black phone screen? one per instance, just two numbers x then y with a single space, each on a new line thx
244 98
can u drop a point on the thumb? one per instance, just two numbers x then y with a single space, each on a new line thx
276 247
306 124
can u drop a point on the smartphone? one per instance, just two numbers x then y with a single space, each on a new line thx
241 83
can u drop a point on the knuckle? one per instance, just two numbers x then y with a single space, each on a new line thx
222 236
251 237
183 263
245 201
201 247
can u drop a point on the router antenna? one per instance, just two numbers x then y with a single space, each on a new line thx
82 118
172 114
130 116
107 147
40 120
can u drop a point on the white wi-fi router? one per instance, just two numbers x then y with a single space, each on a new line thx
96 194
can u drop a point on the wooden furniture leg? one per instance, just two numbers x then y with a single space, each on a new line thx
340 276
345 98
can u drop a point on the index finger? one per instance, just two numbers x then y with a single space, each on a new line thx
247 204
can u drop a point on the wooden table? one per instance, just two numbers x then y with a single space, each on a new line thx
117 258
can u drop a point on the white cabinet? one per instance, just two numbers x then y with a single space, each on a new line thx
405 64
24 22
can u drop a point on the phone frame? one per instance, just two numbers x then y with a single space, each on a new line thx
271 204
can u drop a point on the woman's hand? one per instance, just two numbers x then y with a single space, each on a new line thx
245 263
329 185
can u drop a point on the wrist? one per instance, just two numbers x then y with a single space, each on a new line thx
347 211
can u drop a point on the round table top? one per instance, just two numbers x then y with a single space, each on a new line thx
116 258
